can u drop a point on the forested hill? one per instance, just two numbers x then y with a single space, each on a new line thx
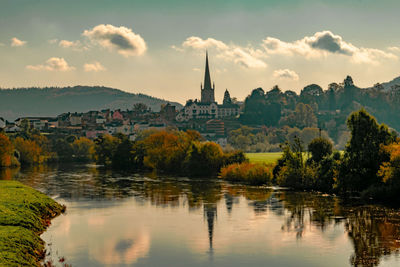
51 101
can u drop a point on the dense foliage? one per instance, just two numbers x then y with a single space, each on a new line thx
175 152
370 164
325 109
6 151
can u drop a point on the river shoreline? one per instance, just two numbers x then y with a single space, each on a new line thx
25 213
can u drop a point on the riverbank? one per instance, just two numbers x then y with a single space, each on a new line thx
24 214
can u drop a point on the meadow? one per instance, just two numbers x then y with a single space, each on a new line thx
267 158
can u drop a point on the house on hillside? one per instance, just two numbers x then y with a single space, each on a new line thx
96 132
12 128
75 119
2 123
117 115
39 123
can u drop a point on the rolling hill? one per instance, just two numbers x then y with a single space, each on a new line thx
51 101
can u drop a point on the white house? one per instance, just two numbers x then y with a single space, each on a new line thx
2 123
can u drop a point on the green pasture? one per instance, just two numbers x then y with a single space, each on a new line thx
268 158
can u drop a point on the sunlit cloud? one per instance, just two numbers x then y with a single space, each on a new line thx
199 43
74 45
52 64
394 49
121 39
322 44
93 67
319 45
244 56
15 42
286 74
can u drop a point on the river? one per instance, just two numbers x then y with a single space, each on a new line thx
117 219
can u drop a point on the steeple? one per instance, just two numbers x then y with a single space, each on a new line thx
207 78
207 91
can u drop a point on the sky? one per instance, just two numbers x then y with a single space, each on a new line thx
158 47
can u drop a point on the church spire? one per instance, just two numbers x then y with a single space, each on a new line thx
207 79
207 92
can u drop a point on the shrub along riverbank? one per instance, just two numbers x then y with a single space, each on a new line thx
24 214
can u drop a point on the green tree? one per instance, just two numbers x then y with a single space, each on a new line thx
82 149
123 157
63 150
320 148
363 155
104 149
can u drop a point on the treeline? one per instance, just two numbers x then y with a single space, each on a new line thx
369 165
325 109
249 139
174 152
170 151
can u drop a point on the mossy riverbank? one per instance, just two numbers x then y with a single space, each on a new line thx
24 214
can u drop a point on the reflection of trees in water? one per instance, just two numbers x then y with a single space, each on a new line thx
374 231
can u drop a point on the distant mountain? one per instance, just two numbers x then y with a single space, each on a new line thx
51 101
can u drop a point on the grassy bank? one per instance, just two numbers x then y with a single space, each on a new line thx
267 158
24 215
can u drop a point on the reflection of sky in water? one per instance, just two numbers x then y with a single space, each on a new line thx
132 234
118 220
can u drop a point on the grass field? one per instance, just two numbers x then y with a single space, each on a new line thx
24 215
268 158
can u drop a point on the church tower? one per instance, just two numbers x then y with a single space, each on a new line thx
207 92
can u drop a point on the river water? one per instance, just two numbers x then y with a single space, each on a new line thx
117 219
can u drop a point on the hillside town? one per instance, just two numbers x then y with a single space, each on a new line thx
211 119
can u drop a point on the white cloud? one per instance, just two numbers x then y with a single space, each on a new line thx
122 39
17 42
198 43
286 74
394 49
322 44
95 66
74 45
52 64
245 56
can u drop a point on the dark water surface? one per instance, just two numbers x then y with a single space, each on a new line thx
116 219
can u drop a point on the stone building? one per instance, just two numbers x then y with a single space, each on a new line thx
207 107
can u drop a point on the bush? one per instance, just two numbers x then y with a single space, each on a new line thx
6 151
203 159
29 151
250 173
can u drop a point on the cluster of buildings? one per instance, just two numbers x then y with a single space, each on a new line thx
211 119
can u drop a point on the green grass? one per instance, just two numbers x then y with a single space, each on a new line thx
267 158
24 215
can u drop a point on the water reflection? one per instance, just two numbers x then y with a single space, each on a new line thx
115 218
